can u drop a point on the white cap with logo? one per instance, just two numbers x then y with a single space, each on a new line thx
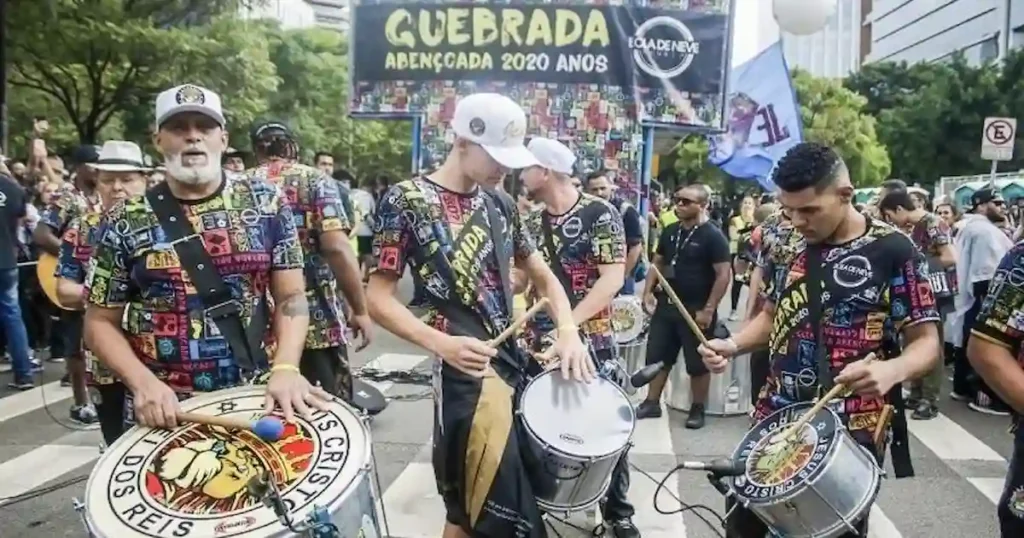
552 154
497 124
188 98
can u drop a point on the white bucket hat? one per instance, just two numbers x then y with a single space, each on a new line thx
120 156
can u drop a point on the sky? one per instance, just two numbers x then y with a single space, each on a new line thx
754 30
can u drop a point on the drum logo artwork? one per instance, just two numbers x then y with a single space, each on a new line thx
193 481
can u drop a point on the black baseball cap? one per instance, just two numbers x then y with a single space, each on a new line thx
85 154
266 128
986 195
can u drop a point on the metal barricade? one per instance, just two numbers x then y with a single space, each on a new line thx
728 395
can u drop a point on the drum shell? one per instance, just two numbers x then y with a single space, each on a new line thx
632 355
728 395
807 513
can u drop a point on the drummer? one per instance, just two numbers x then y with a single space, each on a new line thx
120 176
862 280
168 346
479 473
581 238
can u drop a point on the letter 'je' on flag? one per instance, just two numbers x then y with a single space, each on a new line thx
764 119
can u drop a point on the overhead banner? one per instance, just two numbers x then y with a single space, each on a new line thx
630 47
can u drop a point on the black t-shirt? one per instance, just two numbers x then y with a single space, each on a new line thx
691 254
630 222
12 208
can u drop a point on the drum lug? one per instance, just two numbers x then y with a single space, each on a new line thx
79 508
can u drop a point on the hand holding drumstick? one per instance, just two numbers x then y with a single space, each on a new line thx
473 356
858 377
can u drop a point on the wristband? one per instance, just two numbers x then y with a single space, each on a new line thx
285 367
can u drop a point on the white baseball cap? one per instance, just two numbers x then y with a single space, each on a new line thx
188 98
497 124
552 154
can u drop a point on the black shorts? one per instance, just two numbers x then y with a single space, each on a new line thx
478 466
328 368
1011 504
669 334
364 245
110 411
72 323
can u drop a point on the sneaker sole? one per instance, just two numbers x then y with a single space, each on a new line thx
987 411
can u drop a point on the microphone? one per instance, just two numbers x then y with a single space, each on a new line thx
646 374
720 467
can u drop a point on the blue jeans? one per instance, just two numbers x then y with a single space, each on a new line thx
14 325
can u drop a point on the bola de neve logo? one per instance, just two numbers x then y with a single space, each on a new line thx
663 47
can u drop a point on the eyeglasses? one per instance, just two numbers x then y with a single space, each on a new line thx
684 201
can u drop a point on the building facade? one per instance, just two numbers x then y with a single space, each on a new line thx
331 13
834 52
934 30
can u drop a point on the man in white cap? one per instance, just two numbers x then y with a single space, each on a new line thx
581 238
188 267
120 175
460 235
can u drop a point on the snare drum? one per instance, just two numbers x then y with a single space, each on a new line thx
628 318
818 484
192 481
575 433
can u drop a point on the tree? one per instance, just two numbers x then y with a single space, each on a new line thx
692 166
833 115
888 85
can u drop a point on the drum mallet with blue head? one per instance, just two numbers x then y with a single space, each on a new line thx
267 428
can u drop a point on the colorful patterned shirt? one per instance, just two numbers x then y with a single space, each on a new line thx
1001 318
418 221
873 287
589 235
930 234
316 206
76 249
69 203
248 231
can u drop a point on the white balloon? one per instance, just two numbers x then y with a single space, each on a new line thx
803 17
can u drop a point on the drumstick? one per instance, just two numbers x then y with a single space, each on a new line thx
880 427
819 405
679 305
527 316
266 428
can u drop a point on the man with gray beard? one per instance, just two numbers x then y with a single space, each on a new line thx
178 289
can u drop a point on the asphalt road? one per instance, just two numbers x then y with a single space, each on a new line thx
960 459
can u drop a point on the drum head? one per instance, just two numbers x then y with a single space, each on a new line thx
192 481
776 467
581 419
627 318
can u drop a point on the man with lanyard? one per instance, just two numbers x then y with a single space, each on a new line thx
850 281
600 186
74 199
693 255
460 234
234 240
997 354
121 175
323 229
581 239
931 235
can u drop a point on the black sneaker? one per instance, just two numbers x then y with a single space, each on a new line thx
21 384
925 411
648 409
624 528
66 380
984 404
696 419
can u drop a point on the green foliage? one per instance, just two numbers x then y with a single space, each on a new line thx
692 166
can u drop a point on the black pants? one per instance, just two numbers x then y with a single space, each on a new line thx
965 381
1011 504
616 505
328 368
111 411
760 366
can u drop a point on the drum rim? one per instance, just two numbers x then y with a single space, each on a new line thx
367 445
533 434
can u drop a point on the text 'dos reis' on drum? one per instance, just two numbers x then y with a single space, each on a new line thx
817 483
575 433
192 481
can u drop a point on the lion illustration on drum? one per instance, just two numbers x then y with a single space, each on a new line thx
205 469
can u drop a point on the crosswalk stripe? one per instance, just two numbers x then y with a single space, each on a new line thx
880 526
950 442
991 488
46 463
25 402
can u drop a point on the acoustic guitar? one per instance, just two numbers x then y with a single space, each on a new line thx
44 272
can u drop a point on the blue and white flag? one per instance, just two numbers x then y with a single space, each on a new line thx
764 119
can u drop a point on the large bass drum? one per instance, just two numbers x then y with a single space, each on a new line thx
817 484
192 481
575 433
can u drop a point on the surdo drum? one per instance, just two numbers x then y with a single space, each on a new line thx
818 484
575 433
194 480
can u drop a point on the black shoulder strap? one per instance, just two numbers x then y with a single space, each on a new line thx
504 256
816 310
221 307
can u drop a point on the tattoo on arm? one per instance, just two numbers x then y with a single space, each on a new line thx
295 306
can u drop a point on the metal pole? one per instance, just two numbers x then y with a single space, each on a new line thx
992 173
3 77
1004 32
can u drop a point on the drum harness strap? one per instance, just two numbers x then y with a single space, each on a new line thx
900 447
220 306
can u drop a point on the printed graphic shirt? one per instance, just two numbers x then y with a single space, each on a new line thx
76 250
777 238
589 235
249 232
1001 318
930 234
69 203
316 207
421 224
873 288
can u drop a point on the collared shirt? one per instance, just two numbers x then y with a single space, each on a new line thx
316 207
589 235
872 288
68 204
249 233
